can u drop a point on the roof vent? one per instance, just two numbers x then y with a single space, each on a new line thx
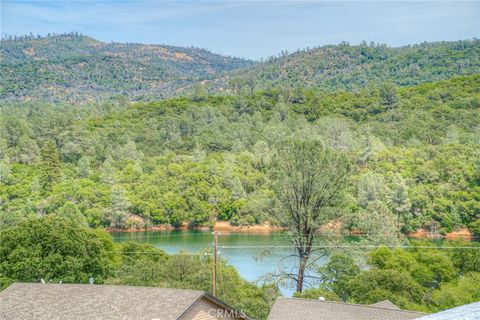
321 298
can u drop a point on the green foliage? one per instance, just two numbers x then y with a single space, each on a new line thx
54 249
50 166
429 268
422 278
465 291
336 275
353 67
376 285
388 95
5 171
399 199
83 167
308 182
70 212
76 68
118 209
183 161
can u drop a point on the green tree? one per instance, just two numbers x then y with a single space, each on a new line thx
429 268
451 295
307 180
399 199
50 166
129 151
71 212
107 171
377 221
388 95
371 188
54 249
337 273
5 171
83 167
119 205
375 285
26 151
199 93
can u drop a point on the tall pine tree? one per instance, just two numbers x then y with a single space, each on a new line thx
51 170
399 199
83 167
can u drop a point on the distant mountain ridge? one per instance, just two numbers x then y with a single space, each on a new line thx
77 68
352 67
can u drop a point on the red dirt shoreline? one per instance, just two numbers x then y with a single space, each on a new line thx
224 226
454 235
220 226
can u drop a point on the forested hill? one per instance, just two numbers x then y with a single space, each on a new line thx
197 160
77 68
336 67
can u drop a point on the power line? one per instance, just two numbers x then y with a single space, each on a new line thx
355 247
284 234
162 252
294 247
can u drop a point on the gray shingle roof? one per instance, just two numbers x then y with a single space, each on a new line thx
80 301
386 304
299 309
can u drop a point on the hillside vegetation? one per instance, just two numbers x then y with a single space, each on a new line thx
77 68
207 158
353 67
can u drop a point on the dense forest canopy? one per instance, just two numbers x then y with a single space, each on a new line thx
204 158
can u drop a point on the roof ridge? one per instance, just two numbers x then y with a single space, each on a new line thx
104 285
352 304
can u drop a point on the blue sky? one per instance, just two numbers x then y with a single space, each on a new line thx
251 29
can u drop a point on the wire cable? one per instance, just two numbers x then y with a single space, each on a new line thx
356 247
284 234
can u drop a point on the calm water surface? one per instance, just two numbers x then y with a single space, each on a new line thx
251 261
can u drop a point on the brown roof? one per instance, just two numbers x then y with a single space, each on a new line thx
292 308
82 301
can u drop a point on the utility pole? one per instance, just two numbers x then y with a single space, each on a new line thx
215 242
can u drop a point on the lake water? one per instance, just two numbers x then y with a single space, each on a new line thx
253 255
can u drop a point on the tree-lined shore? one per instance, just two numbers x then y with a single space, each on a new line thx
197 160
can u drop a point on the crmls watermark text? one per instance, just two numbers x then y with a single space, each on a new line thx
226 314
